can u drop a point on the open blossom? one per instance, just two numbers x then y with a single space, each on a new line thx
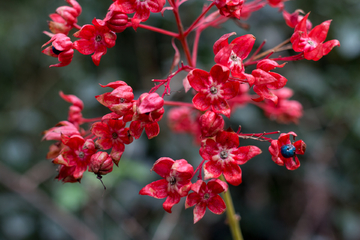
232 55
112 134
312 43
230 8
213 89
95 39
264 80
141 8
284 152
224 155
206 195
61 47
176 182
74 157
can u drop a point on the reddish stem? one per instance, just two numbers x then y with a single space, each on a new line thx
199 169
159 30
178 104
193 25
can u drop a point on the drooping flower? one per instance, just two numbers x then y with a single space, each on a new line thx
285 111
230 8
294 18
176 182
284 152
210 124
149 110
74 157
213 89
95 39
101 163
224 155
112 134
120 100
61 47
232 55
312 43
264 80
141 8
65 17
206 195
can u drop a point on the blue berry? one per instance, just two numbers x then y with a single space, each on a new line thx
55 51
288 150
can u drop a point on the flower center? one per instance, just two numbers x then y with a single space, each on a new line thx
233 57
81 154
172 181
223 154
311 42
114 135
213 90
287 150
206 196
98 38
122 100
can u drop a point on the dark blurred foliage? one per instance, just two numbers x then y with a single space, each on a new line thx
320 200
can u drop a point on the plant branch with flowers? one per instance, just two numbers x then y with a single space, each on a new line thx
218 92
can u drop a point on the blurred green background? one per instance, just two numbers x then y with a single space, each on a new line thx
320 200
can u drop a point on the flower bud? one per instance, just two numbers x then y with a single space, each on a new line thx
210 123
101 163
116 21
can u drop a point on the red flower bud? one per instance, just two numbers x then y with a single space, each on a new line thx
210 124
116 21
101 163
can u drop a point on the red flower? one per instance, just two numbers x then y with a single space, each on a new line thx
224 155
149 110
229 8
74 157
232 55
74 115
284 152
116 21
213 88
94 39
61 47
210 124
263 80
120 100
62 128
112 134
65 17
294 18
312 43
176 182
285 111
141 8
277 3
206 195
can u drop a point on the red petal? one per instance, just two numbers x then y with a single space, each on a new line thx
232 173
170 202
222 42
192 199
199 211
318 33
163 166
152 130
219 73
201 101
212 170
157 189
243 45
87 32
217 205
217 186
199 79
84 46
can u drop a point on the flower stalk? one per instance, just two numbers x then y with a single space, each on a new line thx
232 218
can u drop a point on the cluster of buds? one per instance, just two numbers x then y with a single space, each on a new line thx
218 93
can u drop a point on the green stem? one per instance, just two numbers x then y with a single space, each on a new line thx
231 215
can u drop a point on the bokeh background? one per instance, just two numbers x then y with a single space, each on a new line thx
320 200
